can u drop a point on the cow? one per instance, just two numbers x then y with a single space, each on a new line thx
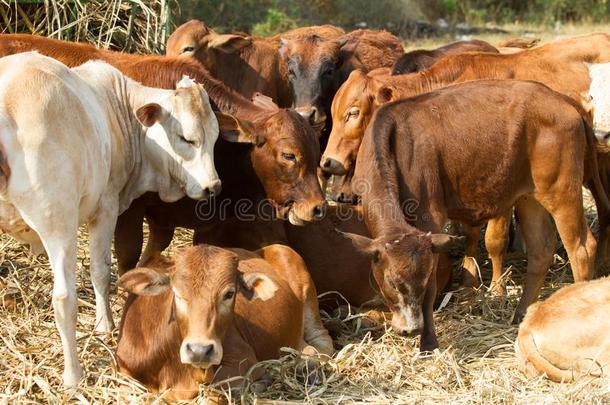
213 313
428 159
560 65
81 144
421 59
245 63
267 151
319 64
248 64
566 337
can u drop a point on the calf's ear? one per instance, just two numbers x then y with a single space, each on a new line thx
362 243
149 114
229 43
144 281
385 94
257 286
233 129
441 242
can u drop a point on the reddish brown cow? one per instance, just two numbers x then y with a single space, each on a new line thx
421 59
526 146
560 65
246 63
319 64
567 336
277 156
215 313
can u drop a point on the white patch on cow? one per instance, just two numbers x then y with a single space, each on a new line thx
185 82
599 93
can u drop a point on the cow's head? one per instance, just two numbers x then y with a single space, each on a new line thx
195 39
285 152
181 130
402 265
352 108
203 282
312 63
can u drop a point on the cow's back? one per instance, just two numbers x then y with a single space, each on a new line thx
278 322
39 96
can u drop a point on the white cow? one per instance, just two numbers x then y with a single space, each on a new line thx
78 146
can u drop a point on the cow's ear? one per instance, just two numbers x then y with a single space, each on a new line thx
257 286
441 242
283 48
232 129
265 102
144 281
229 43
342 41
385 94
362 243
149 114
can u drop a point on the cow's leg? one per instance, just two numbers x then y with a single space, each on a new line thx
471 271
539 235
603 216
159 238
100 250
576 237
496 240
314 332
129 237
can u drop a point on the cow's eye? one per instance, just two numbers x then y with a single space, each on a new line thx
352 113
289 156
229 295
329 71
188 48
376 256
186 140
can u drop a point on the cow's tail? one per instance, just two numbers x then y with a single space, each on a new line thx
528 351
594 174
5 170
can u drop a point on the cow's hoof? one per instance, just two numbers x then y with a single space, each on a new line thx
72 377
497 289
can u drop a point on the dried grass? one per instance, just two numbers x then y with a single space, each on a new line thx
129 25
475 365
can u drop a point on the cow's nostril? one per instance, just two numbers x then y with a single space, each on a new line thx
327 163
318 211
199 352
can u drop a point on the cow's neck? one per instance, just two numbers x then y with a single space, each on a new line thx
131 174
377 175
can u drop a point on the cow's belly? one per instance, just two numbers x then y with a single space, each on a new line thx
13 224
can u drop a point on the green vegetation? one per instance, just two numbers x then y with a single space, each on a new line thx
267 17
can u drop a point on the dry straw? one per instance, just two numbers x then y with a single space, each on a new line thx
475 364
134 25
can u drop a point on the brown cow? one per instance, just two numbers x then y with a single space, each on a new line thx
560 65
429 159
567 336
319 64
421 59
213 314
246 63
277 157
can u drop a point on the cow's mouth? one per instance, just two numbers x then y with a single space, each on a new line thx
287 212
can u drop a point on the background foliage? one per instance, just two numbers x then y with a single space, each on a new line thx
266 17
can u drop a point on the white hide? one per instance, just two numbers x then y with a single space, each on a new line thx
78 155
599 93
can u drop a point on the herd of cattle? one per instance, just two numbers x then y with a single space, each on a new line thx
402 141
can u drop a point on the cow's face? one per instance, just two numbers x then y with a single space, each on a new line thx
403 265
311 62
181 131
204 282
284 156
352 109
195 39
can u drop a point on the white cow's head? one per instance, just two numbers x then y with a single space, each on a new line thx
599 93
181 131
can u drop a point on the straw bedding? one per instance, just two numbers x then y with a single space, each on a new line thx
475 364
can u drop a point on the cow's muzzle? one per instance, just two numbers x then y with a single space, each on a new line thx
333 166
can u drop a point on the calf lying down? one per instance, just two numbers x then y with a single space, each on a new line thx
568 335
213 313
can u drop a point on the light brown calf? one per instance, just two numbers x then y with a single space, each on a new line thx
568 335
213 314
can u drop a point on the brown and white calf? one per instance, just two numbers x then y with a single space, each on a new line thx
567 336
430 158
214 313
79 145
